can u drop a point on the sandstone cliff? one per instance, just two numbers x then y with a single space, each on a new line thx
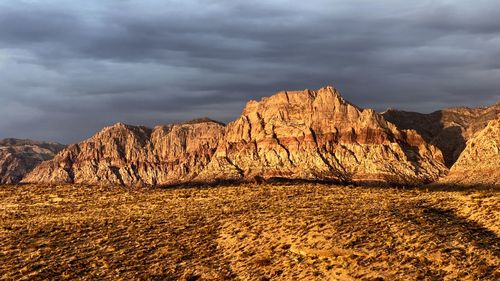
317 135
311 135
134 155
448 129
18 157
479 163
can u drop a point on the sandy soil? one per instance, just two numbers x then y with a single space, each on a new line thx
248 232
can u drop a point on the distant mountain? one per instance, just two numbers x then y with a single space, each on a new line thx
479 163
449 129
135 155
312 135
20 156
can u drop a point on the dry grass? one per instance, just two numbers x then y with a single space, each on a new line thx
261 232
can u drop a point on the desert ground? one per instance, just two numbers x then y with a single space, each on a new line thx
249 232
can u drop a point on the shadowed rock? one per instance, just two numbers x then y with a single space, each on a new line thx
18 157
479 163
448 129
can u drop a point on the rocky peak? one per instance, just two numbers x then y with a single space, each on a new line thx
319 135
134 155
479 163
309 134
203 120
449 129
19 156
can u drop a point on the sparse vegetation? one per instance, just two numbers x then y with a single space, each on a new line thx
248 232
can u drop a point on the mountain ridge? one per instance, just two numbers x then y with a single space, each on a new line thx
479 163
448 128
315 120
311 135
20 156
132 155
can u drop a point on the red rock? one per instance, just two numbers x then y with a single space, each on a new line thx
317 135
18 157
134 155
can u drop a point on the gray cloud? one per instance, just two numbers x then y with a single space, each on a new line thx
70 68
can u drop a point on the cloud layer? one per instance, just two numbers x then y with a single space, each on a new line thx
69 68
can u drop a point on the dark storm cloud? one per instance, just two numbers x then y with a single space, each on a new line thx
70 68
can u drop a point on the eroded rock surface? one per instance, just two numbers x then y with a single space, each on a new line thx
18 157
317 135
449 129
479 163
307 135
134 155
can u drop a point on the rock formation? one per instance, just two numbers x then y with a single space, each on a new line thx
448 129
134 155
18 157
308 135
479 163
317 135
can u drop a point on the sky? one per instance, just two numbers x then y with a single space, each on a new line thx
69 68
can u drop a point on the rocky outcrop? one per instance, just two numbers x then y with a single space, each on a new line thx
317 135
134 155
18 157
449 129
479 163
306 135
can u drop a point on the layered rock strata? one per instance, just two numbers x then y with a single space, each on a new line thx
18 157
307 135
317 135
134 155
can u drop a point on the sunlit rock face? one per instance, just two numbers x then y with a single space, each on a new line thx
317 135
18 157
134 155
307 135
449 129
479 163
